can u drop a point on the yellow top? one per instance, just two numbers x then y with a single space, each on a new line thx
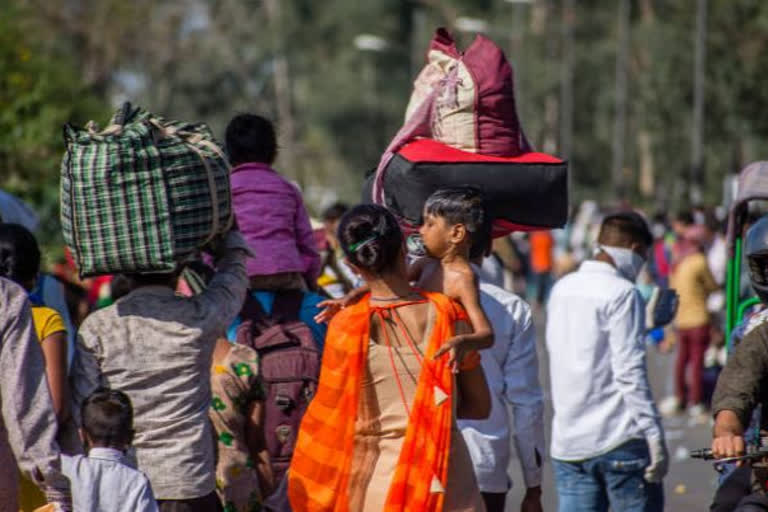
47 321
694 282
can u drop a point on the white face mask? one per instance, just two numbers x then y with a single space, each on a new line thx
627 261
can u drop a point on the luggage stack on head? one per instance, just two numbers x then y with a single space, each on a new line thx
461 128
142 195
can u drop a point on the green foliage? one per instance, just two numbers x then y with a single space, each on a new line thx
39 92
209 59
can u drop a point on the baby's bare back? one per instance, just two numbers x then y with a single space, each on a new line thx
449 278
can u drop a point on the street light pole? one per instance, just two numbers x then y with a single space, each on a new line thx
517 47
566 80
620 119
372 45
697 127
283 91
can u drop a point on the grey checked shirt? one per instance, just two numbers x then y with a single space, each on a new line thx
156 347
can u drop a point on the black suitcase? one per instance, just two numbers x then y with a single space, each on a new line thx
525 192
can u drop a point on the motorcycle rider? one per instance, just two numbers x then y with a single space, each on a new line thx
743 386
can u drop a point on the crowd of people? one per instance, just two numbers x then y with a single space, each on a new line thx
345 364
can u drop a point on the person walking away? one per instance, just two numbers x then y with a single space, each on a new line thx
681 222
27 421
380 433
270 210
716 249
542 245
336 279
659 262
105 478
693 280
506 250
512 371
20 262
243 470
157 347
608 446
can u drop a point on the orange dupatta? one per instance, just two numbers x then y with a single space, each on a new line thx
318 478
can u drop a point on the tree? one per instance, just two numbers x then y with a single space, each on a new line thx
40 91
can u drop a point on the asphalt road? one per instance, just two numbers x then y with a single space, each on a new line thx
690 484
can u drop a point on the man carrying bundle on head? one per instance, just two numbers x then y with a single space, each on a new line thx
156 347
145 213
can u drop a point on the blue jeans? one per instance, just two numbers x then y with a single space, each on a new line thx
613 479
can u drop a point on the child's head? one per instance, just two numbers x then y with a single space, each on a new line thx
331 218
372 240
251 138
19 255
456 220
107 418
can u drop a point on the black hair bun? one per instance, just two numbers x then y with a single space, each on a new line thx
370 255
371 238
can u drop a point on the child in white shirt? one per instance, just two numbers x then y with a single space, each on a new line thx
106 480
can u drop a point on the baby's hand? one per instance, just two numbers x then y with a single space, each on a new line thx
328 308
459 348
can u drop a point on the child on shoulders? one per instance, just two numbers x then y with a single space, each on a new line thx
270 210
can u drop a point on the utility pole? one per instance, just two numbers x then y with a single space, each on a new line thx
697 126
418 38
620 119
566 80
283 95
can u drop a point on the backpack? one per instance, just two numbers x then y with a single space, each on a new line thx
289 365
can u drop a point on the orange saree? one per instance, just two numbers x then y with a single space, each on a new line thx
320 470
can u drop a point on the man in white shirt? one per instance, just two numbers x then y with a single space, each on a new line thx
607 440
512 371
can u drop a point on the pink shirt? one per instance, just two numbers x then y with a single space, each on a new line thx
271 215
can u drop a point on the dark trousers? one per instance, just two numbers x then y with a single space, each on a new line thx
209 503
494 501
690 354
737 493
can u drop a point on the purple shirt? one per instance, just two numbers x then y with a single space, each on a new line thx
271 215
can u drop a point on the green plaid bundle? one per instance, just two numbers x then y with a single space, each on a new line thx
143 194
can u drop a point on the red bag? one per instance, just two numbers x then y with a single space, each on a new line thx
474 105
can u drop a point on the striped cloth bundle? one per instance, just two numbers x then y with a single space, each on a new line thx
143 194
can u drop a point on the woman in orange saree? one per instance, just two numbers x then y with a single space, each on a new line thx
380 433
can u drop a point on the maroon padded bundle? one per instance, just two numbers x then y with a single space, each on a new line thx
461 128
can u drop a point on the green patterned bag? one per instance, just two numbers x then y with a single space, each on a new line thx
143 194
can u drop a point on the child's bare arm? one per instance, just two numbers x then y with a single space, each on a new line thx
467 291
469 296
330 307
474 398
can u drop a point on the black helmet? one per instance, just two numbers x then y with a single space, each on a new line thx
756 251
